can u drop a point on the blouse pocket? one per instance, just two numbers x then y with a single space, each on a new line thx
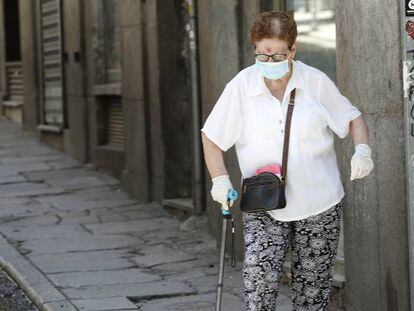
271 123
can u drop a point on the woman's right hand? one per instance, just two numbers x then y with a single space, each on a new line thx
219 190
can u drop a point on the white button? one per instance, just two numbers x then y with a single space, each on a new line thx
281 131
280 121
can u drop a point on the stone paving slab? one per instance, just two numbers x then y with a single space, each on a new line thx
101 277
28 189
27 167
66 245
107 304
57 175
25 233
14 169
6 153
72 202
204 302
33 214
30 159
138 290
27 221
35 149
61 305
142 225
12 179
7 172
153 260
187 241
106 193
13 209
145 214
91 216
101 260
177 269
64 164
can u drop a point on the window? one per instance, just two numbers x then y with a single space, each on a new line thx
106 41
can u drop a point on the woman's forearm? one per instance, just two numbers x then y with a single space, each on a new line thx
359 131
213 156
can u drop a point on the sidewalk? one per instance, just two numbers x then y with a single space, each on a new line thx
74 241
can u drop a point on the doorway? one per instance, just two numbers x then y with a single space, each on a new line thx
13 98
175 105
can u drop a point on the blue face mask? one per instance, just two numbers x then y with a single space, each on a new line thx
272 70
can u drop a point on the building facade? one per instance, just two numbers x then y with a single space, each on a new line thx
125 85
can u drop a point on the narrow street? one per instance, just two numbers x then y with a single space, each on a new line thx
74 241
106 194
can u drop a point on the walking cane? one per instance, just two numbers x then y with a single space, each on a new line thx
231 195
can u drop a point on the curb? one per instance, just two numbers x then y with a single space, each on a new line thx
44 295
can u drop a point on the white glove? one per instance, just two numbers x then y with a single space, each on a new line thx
361 162
220 189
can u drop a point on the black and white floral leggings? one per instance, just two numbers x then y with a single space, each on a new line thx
313 241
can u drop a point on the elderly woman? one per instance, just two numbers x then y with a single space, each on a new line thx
251 114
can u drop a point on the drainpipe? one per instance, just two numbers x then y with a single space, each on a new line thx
198 172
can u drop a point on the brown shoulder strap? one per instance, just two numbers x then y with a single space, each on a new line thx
287 134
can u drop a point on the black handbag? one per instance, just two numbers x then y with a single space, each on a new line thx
266 191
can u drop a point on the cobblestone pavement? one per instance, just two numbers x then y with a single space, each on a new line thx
75 241
12 298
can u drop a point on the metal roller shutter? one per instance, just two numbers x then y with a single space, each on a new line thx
115 121
14 79
51 60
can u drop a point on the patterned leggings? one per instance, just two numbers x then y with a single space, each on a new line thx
313 241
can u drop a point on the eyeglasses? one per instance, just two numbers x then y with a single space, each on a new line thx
277 57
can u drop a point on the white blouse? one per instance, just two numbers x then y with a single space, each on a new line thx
248 116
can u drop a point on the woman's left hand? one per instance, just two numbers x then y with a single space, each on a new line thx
361 162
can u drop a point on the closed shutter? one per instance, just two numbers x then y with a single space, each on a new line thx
51 59
115 121
14 80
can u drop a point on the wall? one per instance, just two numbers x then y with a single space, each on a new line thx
154 119
219 62
76 139
89 59
174 99
100 85
369 74
28 38
2 57
135 177
166 95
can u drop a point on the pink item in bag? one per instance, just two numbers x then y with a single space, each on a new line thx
273 168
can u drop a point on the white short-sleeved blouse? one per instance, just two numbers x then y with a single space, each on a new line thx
248 116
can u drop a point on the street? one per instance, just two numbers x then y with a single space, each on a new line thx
12 298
